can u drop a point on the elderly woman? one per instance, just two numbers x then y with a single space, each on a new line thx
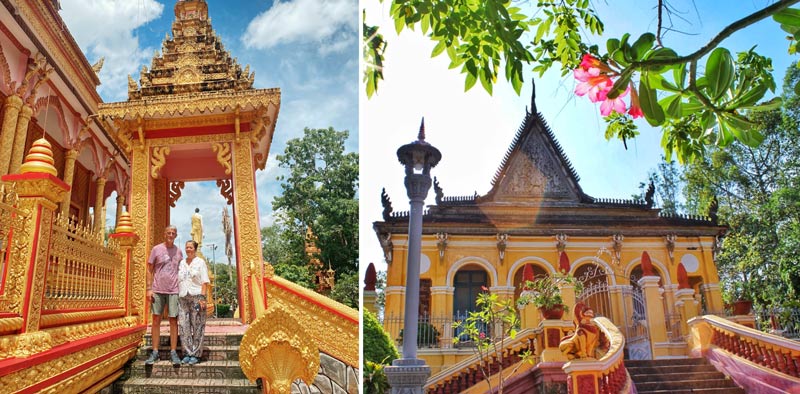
193 279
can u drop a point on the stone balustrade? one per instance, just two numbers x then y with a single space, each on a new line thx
606 375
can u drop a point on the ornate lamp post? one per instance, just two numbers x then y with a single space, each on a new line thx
409 374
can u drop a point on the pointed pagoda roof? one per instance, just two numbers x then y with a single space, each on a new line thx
194 80
537 191
193 59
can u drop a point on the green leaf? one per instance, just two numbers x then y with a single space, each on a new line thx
749 97
439 48
469 82
647 99
642 45
672 104
658 82
612 45
788 16
719 72
679 74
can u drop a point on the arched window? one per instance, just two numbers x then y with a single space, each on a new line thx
538 272
467 284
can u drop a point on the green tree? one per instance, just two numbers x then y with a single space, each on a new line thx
320 192
286 254
346 290
757 194
378 347
701 99
667 179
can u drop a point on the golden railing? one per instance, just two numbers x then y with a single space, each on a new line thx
606 375
83 270
12 240
293 325
755 360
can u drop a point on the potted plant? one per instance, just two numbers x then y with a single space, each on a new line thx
742 299
544 292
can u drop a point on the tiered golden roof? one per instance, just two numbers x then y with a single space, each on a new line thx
193 60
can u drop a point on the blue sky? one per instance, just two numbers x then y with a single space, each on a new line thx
473 130
307 48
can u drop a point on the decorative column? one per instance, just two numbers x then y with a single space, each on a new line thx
21 134
655 315
11 109
140 184
568 297
69 175
686 306
442 307
408 374
100 189
39 191
713 297
248 234
127 239
118 215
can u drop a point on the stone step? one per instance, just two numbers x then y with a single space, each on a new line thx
210 339
666 362
686 384
188 386
202 370
674 377
664 369
210 353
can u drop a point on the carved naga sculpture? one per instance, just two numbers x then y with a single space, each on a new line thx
588 342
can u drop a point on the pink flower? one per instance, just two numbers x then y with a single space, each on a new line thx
593 84
636 109
484 288
482 336
616 104
588 61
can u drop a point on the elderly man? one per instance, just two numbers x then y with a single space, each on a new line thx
162 289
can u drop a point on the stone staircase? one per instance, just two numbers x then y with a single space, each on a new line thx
679 376
218 372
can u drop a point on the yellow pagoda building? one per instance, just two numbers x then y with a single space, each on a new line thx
73 313
650 276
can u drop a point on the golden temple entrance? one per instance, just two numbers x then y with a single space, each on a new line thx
194 116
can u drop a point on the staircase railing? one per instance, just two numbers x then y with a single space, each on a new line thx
757 361
606 375
468 373
293 326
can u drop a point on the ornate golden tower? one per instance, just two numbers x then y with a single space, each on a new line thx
194 116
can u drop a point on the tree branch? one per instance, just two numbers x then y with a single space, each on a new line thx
721 36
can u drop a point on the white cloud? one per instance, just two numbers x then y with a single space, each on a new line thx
104 28
304 21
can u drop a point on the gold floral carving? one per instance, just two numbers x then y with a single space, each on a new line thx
158 160
226 189
223 152
69 333
335 333
248 234
175 192
180 104
277 349
62 319
6 71
24 345
34 374
139 181
13 218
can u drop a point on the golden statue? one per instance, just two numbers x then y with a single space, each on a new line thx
197 227
587 341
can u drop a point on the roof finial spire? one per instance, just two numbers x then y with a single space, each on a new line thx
421 135
533 97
